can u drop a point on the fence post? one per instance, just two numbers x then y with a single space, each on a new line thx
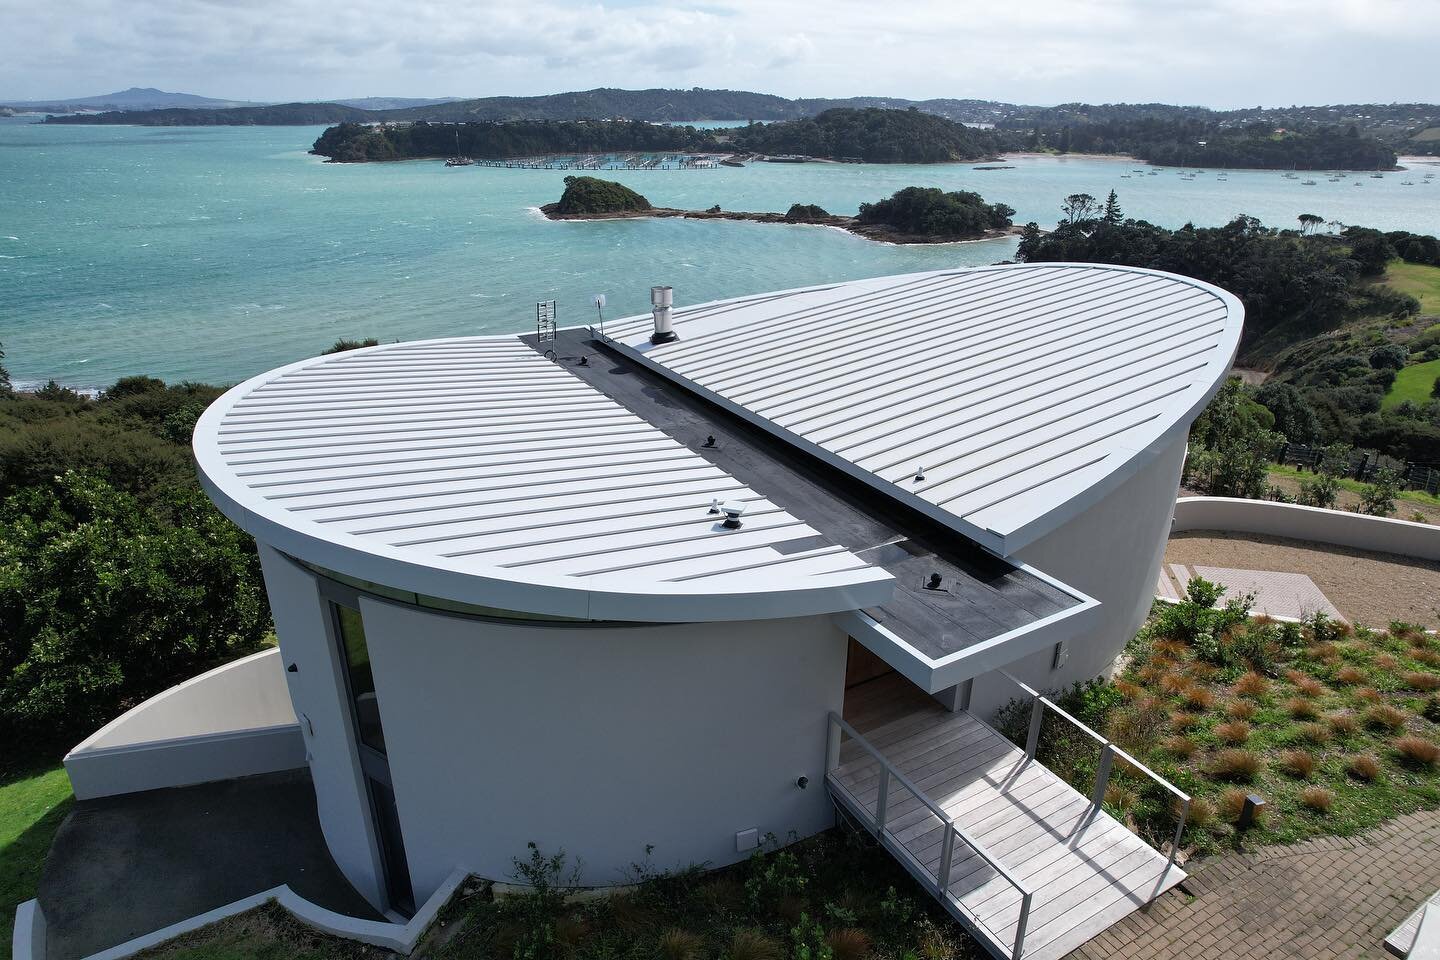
1102 775
947 853
882 799
1037 717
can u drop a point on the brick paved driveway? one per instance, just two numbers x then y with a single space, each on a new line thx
1322 899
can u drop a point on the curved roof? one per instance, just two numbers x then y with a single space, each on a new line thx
475 470
1001 400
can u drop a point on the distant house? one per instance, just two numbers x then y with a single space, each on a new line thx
679 594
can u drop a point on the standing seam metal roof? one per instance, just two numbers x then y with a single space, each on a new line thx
1005 398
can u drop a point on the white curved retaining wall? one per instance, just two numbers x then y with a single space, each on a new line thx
1338 527
233 721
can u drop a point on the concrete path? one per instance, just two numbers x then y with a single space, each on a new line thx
124 866
1319 900
1292 595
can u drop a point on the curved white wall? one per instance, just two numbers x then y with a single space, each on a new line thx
600 739
1338 527
1110 551
233 721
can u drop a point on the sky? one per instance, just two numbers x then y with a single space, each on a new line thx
1221 53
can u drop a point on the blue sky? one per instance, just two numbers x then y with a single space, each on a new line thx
1215 52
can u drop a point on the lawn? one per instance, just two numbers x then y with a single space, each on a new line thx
1335 728
32 804
1412 383
1417 279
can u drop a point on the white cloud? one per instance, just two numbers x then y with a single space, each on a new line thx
1223 52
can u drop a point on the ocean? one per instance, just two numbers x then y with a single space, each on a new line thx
215 253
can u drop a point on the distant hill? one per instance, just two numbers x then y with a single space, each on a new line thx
392 103
874 135
275 115
136 98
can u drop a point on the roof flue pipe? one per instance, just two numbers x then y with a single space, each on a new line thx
661 299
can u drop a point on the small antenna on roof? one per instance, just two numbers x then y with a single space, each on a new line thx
599 300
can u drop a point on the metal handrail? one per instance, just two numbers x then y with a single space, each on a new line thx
941 886
1108 752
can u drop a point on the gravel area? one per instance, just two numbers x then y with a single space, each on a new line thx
1369 588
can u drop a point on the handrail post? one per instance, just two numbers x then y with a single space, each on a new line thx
1037 717
1102 775
1179 831
882 798
947 854
1020 927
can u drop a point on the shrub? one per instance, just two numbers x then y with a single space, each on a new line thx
1298 763
1301 708
1317 799
1182 747
750 944
1344 724
677 944
1252 685
1233 731
1240 709
1363 766
1237 765
1417 751
1424 682
806 211
1385 717
849 943
1349 675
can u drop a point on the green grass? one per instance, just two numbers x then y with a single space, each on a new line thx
1413 383
1420 281
32 804
1354 486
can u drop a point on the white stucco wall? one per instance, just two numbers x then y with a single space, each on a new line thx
1111 551
600 739
317 693
1313 524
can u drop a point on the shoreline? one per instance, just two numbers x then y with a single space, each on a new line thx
879 233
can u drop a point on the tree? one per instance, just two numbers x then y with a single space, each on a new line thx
1079 208
1293 415
1378 499
345 343
5 388
1113 215
1308 222
1435 388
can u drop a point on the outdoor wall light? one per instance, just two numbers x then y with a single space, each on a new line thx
803 782
293 668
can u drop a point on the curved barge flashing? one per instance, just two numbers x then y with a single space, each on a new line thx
1002 401
474 470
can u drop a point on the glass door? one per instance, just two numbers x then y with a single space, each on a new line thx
370 741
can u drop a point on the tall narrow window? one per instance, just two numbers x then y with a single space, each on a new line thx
351 630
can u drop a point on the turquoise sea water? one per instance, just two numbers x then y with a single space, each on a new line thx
214 253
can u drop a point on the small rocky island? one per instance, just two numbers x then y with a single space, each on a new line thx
912 215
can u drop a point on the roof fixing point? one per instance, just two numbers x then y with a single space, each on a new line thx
709 441
919 474
933 583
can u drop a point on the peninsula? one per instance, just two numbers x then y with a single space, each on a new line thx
912 215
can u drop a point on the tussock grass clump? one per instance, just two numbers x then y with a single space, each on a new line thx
748 944
1383 716
1309 687
1233 731
1202 812
1233 801
1344 724
849 943
1174 684
1182 719
1387 662
1201 671
677 944
1326 652
1169 648
1128 690
1424 682
1298 763
1240 766
1182 747
1302 708
1316 733
1417 751
1431 658
1240 709
1252 685
721 894
1349 676
1368 694
1121 797
1199 698
1364 766
1317 799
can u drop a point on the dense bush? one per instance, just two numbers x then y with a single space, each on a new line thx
118 577
592 195
931 212
806 211
349 142
874 135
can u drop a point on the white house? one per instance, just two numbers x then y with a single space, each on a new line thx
680 595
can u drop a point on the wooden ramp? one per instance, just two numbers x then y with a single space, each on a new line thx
1083 869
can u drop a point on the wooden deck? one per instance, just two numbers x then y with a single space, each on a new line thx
1086 869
